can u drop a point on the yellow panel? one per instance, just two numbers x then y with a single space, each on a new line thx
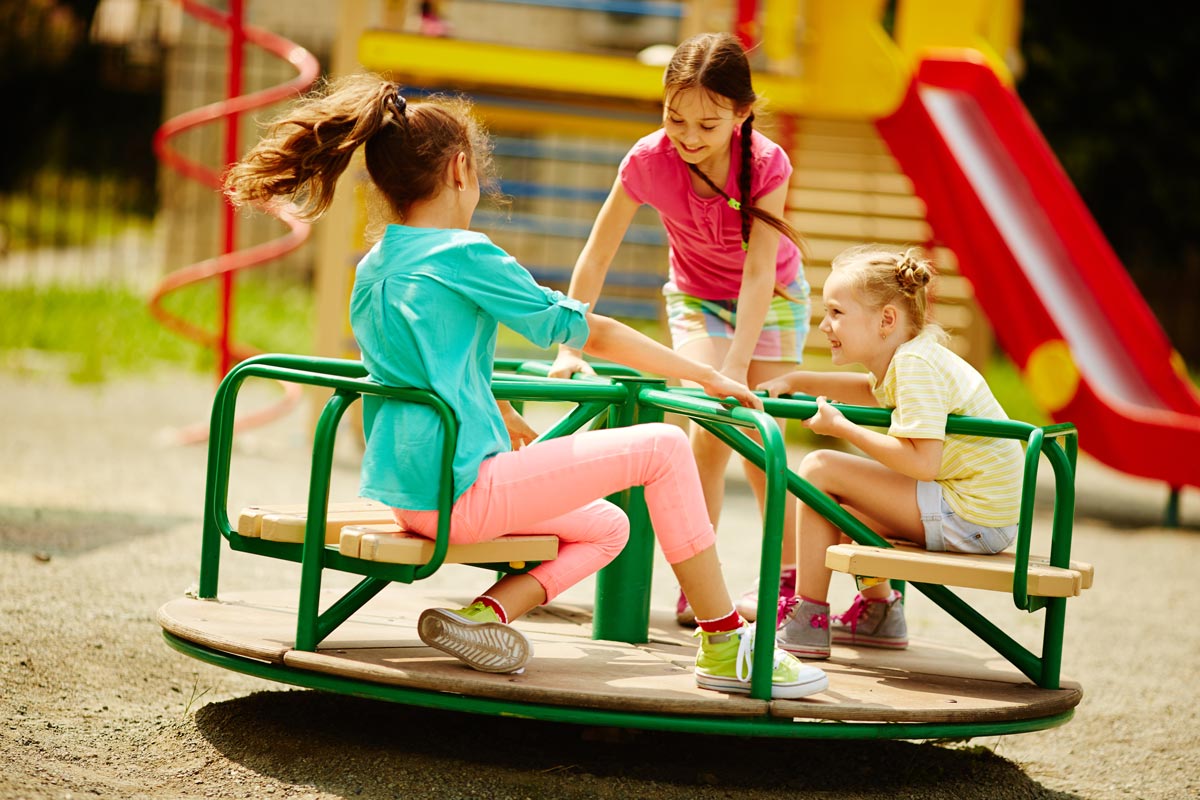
988 27
432 61
853 67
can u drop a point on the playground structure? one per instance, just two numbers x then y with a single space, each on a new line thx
912 135
617 663
231 259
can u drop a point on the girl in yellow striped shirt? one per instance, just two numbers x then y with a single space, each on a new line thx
943 492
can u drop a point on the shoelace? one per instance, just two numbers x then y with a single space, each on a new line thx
786 604
745 656
854 612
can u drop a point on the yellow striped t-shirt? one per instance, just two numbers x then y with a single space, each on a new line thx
980 476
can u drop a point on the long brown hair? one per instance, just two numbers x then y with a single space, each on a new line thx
407 147
717 63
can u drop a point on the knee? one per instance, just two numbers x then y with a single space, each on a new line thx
670 437
616 527
816 467
670 442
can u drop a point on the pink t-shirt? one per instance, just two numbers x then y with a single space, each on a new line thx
705 234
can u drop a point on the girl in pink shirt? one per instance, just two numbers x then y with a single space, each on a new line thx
736 295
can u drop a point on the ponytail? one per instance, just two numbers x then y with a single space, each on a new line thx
306 150
407 148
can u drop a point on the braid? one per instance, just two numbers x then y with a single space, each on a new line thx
744 179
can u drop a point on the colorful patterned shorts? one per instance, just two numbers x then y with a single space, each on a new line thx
784 330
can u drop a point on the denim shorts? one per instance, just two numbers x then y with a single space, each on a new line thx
945 530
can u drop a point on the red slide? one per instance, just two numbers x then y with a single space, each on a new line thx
1061 304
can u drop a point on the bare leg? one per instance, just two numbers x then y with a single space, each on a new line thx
763 371
519 594
712 455
701 580
866 489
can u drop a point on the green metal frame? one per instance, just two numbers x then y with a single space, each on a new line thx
1058 443
617 396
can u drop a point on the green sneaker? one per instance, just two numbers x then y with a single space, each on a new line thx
725 660
475 635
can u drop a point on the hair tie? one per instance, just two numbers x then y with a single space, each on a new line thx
734 204
396 102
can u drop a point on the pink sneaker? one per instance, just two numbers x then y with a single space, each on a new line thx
747 604
683 611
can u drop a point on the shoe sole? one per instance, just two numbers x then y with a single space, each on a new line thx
868 641
817 681
484 646
802 652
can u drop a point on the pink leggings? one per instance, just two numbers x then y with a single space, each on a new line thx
558 486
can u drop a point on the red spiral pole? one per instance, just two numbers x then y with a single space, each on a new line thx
231 259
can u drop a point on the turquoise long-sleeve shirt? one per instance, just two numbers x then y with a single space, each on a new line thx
425 309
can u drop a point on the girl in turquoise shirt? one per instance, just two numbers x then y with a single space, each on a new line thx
426 305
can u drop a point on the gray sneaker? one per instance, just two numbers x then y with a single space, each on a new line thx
803 628
873 623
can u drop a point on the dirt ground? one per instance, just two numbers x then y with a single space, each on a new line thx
99 526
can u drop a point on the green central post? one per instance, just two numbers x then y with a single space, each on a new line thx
623 587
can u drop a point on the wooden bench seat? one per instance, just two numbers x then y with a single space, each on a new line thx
284 522
992 572
366 529
389 544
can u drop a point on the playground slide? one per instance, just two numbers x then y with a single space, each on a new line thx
1061 304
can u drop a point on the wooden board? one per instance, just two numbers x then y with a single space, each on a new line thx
284 515
991 572
387 543
926 683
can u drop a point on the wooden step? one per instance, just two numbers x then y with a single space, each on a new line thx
388 543
992 572
855 202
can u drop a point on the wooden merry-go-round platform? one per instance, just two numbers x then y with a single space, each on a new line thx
929 691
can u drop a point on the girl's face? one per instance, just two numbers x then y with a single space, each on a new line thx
853 328
700 125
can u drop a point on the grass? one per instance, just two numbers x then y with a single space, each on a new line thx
102 332
110 331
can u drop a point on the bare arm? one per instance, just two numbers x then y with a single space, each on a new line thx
519 432
917 458
614 341
853 388
591 267
757 287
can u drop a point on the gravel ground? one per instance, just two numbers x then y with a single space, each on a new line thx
99 526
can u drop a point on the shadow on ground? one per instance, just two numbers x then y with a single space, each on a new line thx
357 747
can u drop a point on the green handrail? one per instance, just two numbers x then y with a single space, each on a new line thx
772 459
